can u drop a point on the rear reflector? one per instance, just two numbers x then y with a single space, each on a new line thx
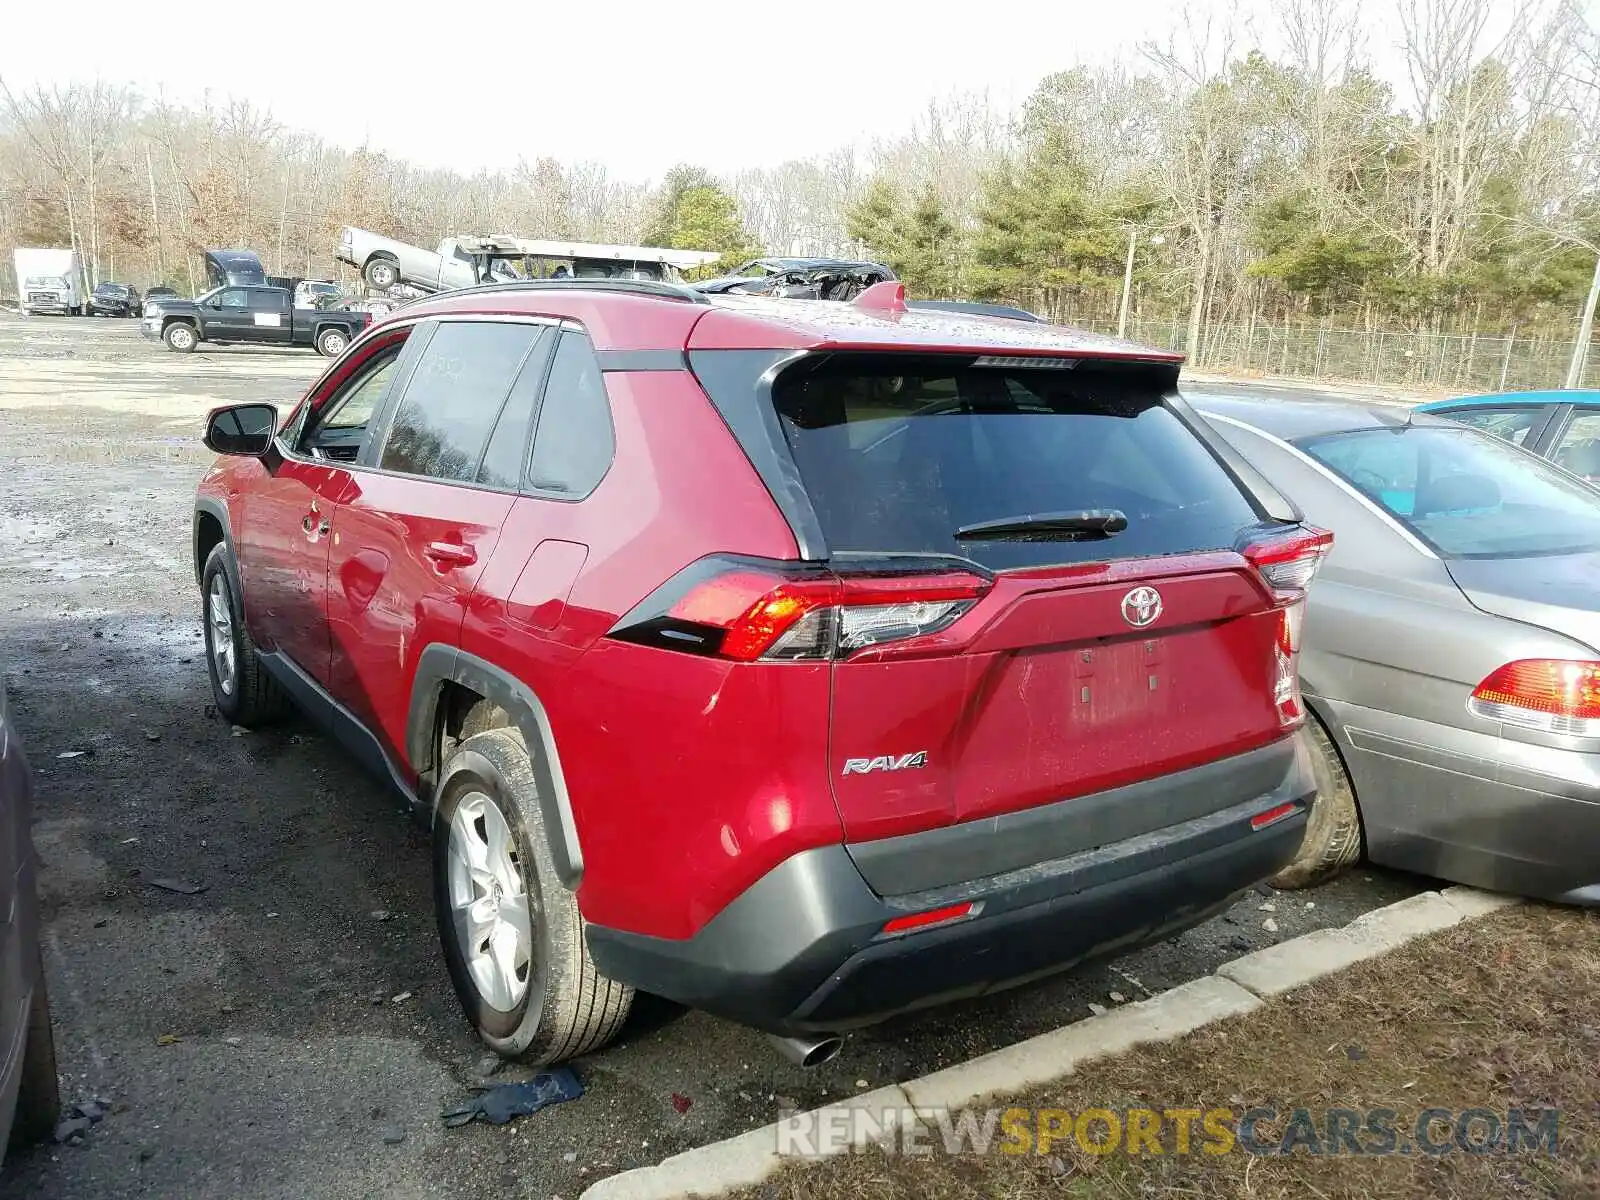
1552 695
1272 816
934 916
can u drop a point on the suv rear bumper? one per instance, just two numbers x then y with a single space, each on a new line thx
802 950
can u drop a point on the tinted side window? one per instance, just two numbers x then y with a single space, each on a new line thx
453 398
1513 424
573 444
502 461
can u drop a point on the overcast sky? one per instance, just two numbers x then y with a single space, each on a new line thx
637 86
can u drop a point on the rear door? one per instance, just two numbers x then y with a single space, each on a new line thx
269 316
412 538
1577 445
1093 661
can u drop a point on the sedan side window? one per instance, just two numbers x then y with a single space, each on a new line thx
1579 448
1512 424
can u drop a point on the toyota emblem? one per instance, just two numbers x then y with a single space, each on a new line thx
1141 606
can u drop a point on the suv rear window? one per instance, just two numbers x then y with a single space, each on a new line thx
896 455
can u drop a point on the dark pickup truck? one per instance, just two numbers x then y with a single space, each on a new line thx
261 315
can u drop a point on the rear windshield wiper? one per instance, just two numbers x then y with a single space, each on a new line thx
1080 524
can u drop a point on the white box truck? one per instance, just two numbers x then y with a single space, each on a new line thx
49 281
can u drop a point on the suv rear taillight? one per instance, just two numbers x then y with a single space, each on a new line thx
1552 695
1287 564
752 610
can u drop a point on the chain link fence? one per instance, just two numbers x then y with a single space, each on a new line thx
1456 363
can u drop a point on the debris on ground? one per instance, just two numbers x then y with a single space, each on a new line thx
182 886
1098 1010
380 914
393 1135
72 1130
168 1039
1270 925
680 1103
93 1111
490 1064
401 998
497 1105
74 753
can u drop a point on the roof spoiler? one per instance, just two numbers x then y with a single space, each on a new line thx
886 296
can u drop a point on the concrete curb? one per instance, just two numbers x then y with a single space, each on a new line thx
1237 987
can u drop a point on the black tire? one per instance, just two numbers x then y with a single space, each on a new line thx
181 337
381 273
1333 834
253 697
39 1096
567 1009
332 341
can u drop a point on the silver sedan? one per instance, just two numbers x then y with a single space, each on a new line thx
1451 654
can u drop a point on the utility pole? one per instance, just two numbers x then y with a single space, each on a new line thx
1580 351
1127 286
1127 279
155 218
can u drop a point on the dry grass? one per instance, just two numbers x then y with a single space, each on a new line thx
1502 1013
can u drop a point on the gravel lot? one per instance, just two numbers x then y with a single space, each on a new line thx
261 1038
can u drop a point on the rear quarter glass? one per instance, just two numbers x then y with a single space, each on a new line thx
896 454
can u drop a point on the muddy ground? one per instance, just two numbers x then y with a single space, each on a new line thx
272 1035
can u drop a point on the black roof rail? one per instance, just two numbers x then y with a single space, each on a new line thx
977 309
636 287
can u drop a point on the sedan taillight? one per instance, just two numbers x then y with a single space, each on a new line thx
1552 695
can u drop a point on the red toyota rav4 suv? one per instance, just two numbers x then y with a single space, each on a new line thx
805 662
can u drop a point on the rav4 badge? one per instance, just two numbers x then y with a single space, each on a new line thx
885 762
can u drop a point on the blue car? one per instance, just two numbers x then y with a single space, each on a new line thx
1563 426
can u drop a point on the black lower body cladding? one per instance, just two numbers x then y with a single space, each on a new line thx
803 950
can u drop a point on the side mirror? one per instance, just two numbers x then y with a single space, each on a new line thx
246 430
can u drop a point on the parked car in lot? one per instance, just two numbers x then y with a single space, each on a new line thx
317 293
258 315
1560 425
460 262
1452 646
29 1101
113 300
803 662
800 278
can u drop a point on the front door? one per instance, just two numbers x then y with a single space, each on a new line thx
285 568
423 517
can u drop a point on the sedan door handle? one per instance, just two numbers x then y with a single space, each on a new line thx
450 554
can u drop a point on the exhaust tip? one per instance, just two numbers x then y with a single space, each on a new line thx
809 1051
